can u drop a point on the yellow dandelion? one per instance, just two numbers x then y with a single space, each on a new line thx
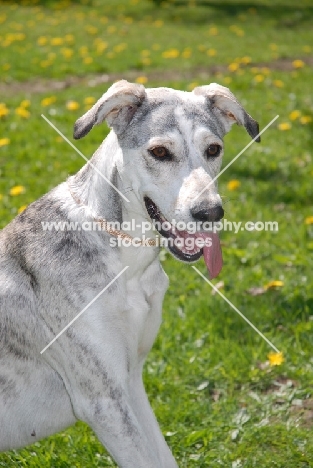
211 52
45 63
170 53
101 46
227 79
4 141
6 66
307 48
274 284
233 184
141 79
120 47
88 60
72 105
240 32
233 66
275 359
25 103
284 126
298 64
91 30
305 119
89 100
83 50
213 31
273 46
56 41
42 40
145 61
158 23
186 52
278 83
308 220
265 70
246 60
1 196
17 190
259 78
3 110
294 115
69 38
145 53
48 101
128 20
22 112
66 52
22 208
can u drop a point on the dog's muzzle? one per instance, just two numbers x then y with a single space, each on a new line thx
189 247
202 212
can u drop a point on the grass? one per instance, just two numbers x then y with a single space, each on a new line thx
218 401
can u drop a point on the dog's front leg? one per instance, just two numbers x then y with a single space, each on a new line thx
154 284
148 422
96 379
118 428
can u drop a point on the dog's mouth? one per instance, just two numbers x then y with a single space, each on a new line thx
185 246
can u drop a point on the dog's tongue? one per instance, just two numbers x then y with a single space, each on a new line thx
213 254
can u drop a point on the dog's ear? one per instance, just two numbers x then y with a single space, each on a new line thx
117 106
228 109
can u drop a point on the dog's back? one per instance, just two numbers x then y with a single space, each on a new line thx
33 399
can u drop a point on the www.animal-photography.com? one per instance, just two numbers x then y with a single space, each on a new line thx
156 234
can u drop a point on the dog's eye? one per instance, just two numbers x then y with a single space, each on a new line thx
160 152
213 151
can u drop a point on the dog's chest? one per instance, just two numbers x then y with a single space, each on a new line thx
145 292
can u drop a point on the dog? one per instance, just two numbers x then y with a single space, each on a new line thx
158 164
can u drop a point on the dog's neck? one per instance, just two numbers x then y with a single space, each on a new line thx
90 188
90 185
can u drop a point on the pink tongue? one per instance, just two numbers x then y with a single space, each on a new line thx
213 254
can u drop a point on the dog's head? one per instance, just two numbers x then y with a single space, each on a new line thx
174 142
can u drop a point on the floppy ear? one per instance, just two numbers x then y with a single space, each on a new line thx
117 106
228 109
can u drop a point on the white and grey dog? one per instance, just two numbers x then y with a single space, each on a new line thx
164 148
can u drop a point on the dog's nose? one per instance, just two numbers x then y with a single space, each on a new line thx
202 212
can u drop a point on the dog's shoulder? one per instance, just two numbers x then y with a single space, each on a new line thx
47 239
27 229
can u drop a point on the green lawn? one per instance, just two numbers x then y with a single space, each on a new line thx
218 401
